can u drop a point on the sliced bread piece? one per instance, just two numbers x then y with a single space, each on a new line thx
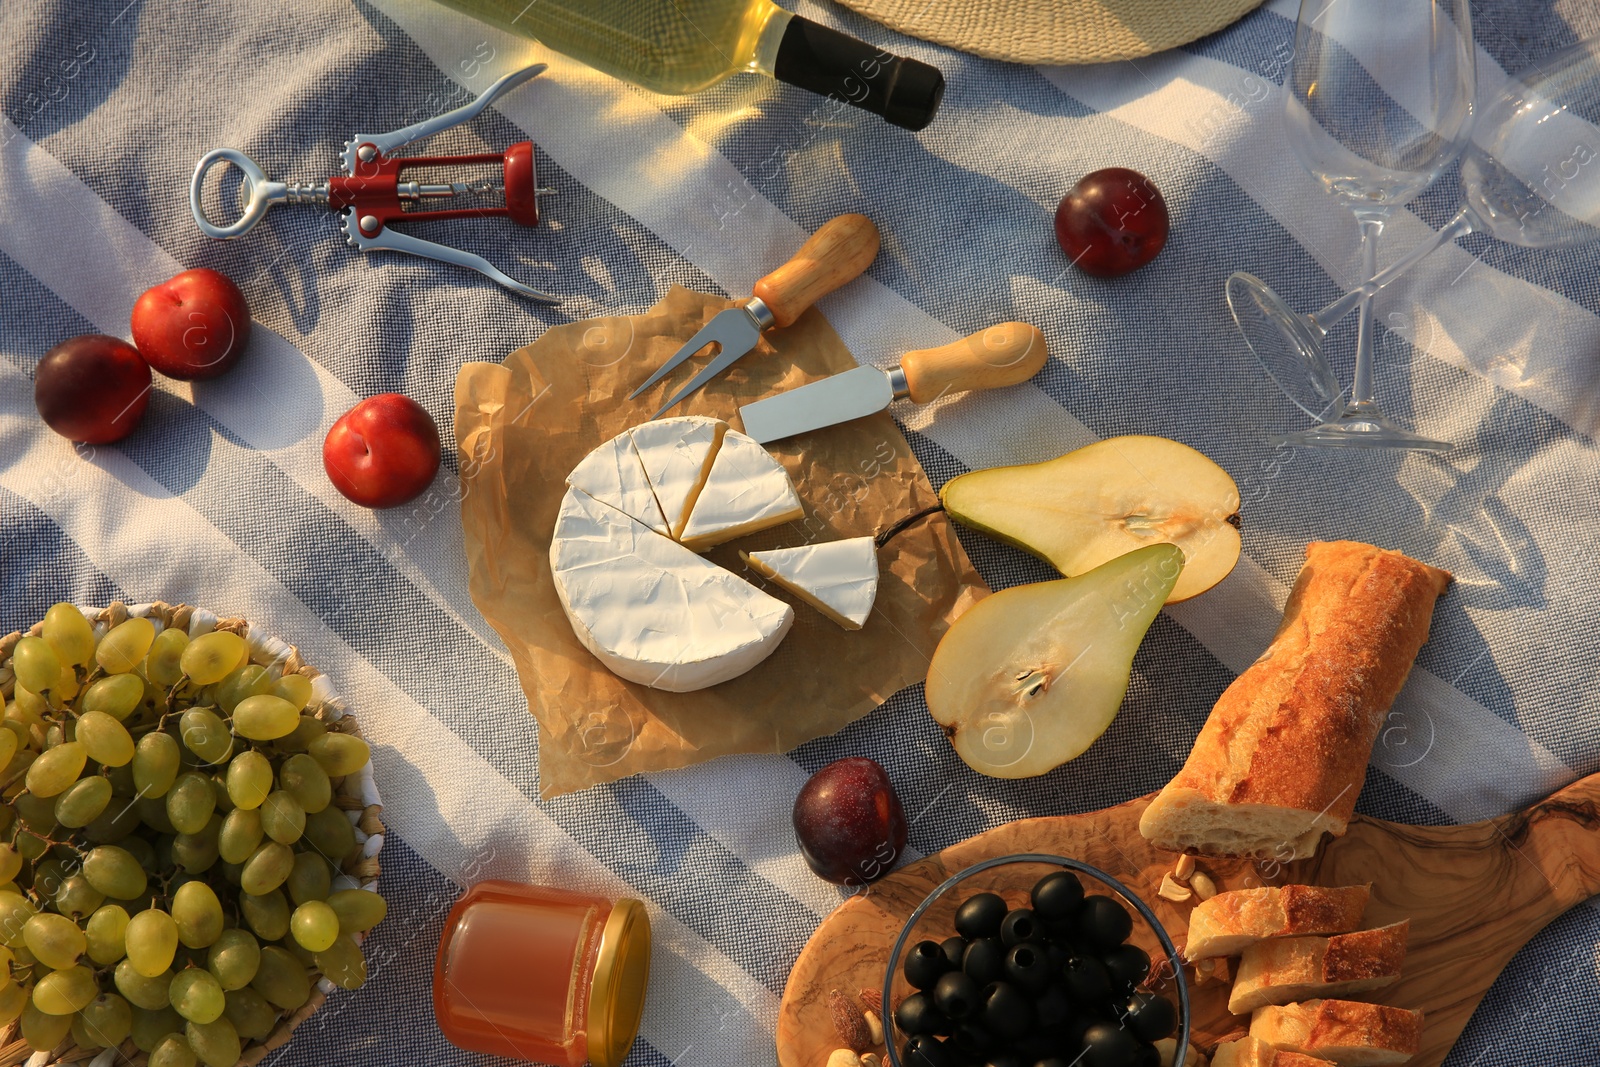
1288 969
1254 1052
1351 1033
1230 922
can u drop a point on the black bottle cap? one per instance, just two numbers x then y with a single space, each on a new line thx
904 91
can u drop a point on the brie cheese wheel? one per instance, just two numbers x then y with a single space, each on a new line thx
613 475
838 578
747 490
677 454
650 609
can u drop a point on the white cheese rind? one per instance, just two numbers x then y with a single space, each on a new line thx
677 455
838 578
747 490
613 475
651 610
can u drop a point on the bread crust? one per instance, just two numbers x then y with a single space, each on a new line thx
1345 1031
1253 1052
1229 922
1294 732
1303 968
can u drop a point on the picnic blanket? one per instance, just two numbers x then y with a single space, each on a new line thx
220 498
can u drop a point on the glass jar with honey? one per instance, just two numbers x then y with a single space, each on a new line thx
542 974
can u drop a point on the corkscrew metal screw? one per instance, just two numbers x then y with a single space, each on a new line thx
373 197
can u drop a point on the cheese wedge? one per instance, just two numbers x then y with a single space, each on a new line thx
747 490
677 454
838 578
653 611
614 475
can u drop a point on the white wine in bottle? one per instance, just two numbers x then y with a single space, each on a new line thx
683 46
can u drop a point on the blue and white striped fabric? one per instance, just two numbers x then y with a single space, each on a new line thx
220 499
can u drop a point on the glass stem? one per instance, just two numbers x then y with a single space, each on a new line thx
1459 226
1361 389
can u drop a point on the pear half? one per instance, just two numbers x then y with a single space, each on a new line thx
1028 678
1081 509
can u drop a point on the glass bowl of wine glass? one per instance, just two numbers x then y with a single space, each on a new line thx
1033 957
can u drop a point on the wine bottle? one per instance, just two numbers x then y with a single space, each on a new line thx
683 46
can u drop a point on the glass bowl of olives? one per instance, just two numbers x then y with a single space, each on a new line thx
1034 960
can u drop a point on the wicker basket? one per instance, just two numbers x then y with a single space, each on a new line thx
355 793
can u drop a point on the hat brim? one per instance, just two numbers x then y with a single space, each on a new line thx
1056 31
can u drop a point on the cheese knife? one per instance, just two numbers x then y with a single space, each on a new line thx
840 250
1007 354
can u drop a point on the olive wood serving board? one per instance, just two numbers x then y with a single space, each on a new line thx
1474 894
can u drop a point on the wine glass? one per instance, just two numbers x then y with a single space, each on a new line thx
1377 103
1531 177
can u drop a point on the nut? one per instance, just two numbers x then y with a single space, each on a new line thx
1203 886
1203 971
1171 890
874 1026
851 1024
872 998
843 1057
1185 868
871 1059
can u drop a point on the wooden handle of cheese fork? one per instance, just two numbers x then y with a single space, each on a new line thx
1007 354
840 250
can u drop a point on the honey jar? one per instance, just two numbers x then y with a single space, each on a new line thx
542 974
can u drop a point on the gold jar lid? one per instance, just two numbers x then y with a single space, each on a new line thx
621 975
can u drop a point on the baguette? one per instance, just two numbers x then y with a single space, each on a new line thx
1306 968
1231 922
1254 1052
1348 1032
1282 757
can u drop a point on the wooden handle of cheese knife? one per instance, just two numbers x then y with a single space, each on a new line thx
840 250
1007 354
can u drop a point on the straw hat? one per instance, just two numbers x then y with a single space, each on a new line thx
1056 31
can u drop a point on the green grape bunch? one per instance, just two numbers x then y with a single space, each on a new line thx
178 870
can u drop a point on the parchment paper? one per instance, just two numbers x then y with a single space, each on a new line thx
522 426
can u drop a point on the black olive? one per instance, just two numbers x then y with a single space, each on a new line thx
1057 1061
1151 1017
917 1014
1128 966
953 948
980 916
1006 1011
1002 1061
1148 1056
1038 1045
1103 923
1028 968
924 964
1019 926
1053 1007
1109 1045
1057 896
1072 1034
973 1039
925 1051
1087 980
956 995
985 961
1058 955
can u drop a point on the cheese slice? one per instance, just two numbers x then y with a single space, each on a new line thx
650 609
613 475
838 578
747 490
677 454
